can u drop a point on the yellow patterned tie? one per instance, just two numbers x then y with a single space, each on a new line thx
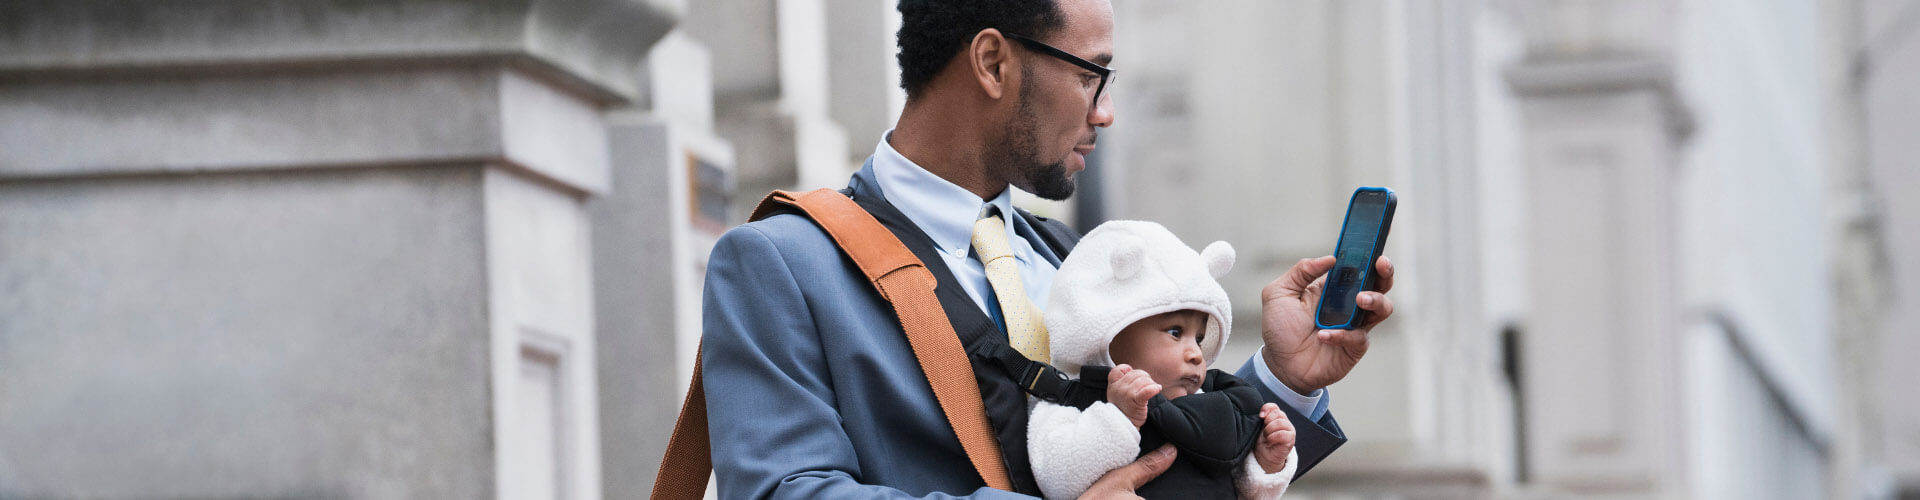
1026 331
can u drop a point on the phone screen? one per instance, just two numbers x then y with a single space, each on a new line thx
1369 215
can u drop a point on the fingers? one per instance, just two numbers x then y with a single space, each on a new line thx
1353 340
1144 392
1275 418
1281 439
1378 307
1375 302
1279 425
1132 391
1383 272
1276 439
1279 430
1134 380
1120 370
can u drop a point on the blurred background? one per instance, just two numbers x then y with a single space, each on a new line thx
453 248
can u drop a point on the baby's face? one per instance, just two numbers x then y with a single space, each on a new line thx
1167 346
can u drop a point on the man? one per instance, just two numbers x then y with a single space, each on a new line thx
811 387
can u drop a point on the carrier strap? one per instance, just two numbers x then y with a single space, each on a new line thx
906 284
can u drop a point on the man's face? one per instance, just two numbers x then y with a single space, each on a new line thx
1167 346
1054 121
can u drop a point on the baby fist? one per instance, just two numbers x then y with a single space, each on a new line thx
1131 389
1276 439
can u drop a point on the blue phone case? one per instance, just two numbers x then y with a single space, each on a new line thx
1367 278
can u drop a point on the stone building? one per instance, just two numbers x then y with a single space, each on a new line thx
345 249
453 249
1650 247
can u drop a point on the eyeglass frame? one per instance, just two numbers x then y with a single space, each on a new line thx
1106 73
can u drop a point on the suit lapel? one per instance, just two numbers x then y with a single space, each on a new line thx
1055 234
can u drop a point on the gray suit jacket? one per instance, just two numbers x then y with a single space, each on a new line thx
812 390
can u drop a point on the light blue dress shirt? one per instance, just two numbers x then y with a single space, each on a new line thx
946 212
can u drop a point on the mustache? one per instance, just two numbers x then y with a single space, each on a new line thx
1091 139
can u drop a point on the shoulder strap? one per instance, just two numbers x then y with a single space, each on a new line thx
908 286
689 460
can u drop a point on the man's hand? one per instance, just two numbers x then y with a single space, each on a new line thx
1303 359
1130 390
1276 439
1120 483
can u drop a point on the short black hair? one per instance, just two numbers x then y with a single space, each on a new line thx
932 31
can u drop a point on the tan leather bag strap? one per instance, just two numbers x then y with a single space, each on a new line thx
689 460
908 286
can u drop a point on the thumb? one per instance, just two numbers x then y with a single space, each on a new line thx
1297 278
1148 467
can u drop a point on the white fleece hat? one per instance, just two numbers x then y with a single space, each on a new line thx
1125 271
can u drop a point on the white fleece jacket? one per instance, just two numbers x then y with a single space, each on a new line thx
1069 449
1122 272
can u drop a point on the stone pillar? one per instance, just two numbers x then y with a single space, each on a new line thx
672 180
771 93
1601 338
1859 265
305 248
1878 226
864 83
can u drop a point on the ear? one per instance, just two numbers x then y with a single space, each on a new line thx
1219 258
991 61
1128 259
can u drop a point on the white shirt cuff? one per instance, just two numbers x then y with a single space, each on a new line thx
1313 405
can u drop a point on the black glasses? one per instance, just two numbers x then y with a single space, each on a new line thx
1106 73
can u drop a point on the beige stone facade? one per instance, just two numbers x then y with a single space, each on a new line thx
453 249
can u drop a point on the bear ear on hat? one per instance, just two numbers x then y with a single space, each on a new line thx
1219 258
1128 259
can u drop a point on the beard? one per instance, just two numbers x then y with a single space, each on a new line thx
1019 158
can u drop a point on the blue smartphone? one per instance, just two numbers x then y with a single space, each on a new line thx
1362 236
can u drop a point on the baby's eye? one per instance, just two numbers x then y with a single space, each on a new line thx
1175 332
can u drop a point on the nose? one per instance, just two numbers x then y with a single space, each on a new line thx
1192 352
1101 115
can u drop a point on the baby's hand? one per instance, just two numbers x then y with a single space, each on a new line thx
1275 440
1130 389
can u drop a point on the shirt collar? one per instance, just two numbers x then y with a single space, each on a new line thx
942 209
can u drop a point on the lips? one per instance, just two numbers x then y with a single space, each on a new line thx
1087 147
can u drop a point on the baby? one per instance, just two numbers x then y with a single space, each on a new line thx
1134 309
